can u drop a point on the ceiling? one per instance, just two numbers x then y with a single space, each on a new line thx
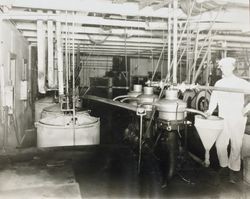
133 27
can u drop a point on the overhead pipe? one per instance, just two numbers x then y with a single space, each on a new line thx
41 55
59 57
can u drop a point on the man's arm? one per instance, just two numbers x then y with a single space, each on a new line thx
246 109
213 103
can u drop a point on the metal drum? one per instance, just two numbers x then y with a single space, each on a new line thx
171 108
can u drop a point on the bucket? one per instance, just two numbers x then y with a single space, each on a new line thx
208 129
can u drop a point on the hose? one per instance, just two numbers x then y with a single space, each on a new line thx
128 98
121 96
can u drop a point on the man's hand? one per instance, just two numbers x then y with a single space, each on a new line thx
246 109
208 113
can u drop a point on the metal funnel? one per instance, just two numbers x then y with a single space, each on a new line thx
208 129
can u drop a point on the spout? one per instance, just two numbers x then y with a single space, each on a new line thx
196 111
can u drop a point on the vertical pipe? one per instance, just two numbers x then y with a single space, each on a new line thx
67 62
2 85
41 55
2 88
175 50
59 56
73 76
50 53
208 65
169 39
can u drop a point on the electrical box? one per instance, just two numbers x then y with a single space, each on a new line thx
9 98
24 90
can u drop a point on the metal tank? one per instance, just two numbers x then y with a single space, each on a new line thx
147 99
61 130
137 90
55 110
171 108
169 122
41 104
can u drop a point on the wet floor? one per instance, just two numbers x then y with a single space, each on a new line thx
110 171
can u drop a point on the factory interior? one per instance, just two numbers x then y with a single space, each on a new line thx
108 98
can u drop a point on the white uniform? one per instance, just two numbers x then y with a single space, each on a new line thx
230 108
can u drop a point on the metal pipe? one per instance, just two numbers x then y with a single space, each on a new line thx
175 48
111 102
197 159
114 87
59 57
73 80
41 52
233 90
169 40
50 53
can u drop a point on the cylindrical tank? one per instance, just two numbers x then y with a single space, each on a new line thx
59 130
171 108
41 104
147 98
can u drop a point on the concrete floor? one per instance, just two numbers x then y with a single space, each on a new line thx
106 171
109 170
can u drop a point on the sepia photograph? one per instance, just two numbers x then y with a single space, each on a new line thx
124 99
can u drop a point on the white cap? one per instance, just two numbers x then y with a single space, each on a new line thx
227 61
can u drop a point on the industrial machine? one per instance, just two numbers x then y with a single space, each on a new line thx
163 120
159 126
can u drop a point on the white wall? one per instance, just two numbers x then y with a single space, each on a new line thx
13 44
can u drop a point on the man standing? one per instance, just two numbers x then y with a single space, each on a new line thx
231 108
